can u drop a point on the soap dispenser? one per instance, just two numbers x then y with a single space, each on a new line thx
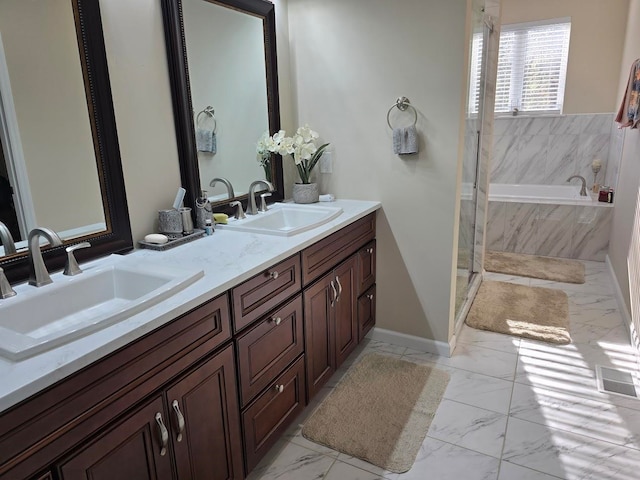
203 210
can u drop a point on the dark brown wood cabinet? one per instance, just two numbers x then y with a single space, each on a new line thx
331 314
195 421
132 449
206 395
205 421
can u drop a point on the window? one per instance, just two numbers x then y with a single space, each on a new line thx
532 67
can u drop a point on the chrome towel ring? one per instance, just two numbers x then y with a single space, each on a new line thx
208 110
402 104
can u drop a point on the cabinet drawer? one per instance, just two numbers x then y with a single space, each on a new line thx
322 256
269 347
272 412
366 312
366 267
42 428
255 297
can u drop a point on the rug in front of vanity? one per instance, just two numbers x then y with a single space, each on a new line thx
535 266
530 312
380 412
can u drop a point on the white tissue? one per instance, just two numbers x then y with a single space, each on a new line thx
328 197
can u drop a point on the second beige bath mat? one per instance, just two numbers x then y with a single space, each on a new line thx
534 266
529 312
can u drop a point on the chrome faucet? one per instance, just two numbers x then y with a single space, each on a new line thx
38 274
226 183
7 240
252 208
583 190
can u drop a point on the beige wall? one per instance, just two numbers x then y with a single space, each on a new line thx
627 199
595 51
350 61
47 85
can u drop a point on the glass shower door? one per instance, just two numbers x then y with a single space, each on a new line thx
471 156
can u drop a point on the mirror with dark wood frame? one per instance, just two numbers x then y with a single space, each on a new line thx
106 226
224 81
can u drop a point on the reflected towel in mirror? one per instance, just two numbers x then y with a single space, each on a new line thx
405 140
206 140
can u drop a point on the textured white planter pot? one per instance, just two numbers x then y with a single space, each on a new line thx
305 192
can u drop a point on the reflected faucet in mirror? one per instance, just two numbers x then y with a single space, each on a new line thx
7 240
226 183
252 208
38 274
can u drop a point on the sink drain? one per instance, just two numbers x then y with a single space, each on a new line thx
615 381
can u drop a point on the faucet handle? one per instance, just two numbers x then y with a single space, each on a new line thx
72 268
239 215
263 202
5 287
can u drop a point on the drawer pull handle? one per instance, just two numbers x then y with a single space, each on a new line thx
279 388
370 250
339 288
180 419
273 274
164 434
335 293
370 296
277 321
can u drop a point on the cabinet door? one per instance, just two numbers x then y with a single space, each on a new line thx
319 333
205 421
346 320
134 449
366 267
366 312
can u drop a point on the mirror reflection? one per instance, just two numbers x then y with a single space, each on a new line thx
48 169
227 73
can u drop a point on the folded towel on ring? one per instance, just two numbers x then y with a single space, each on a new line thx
405 140
206 140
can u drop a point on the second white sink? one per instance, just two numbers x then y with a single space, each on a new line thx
38 319
285 219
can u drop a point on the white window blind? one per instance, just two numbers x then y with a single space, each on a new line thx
532 67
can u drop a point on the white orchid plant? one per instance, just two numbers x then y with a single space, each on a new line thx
301 147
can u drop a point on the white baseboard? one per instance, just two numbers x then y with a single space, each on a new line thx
622 306
411 341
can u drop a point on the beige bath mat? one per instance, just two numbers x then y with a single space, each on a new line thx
534 266
380 412
529 312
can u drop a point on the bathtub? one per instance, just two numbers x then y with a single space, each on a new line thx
546 194
549 220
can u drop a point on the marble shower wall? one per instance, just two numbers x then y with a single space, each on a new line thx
566 231
549 149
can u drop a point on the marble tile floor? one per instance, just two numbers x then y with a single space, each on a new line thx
514 409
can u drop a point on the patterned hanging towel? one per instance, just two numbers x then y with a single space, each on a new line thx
629 113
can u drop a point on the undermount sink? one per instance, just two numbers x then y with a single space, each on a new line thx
285 219
39 319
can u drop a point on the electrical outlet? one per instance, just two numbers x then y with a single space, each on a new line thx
326 162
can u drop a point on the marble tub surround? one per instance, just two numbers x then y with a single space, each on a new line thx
227 259
549 149
514 409
568 231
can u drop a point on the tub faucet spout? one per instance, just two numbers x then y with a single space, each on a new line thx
583 190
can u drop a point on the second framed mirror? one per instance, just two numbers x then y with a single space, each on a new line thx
224 81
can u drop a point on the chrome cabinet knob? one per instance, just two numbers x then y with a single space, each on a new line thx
276 321
273 274
164 434
279 388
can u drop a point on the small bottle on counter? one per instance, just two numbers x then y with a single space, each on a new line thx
208 227
603 195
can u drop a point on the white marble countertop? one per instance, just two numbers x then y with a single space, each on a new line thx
227 258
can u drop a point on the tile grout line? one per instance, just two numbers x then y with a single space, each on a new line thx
506 427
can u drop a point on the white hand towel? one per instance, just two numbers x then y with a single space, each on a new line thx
206 140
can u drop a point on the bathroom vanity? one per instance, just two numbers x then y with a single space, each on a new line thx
206 386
